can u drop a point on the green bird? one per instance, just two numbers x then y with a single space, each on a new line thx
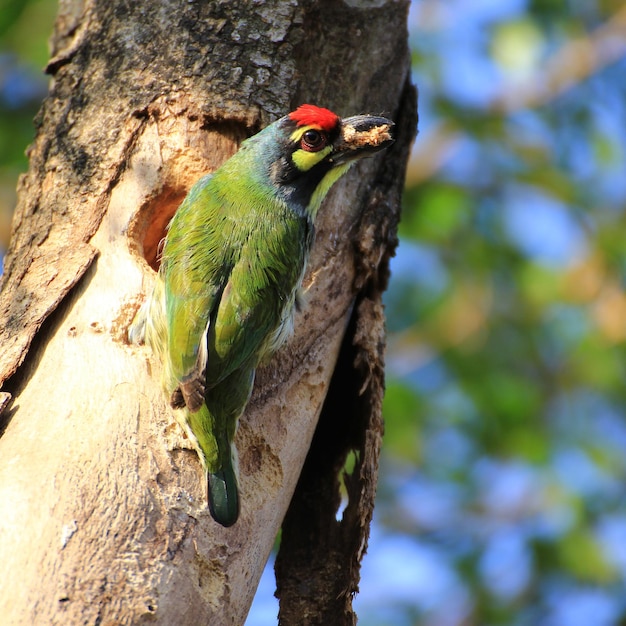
231 270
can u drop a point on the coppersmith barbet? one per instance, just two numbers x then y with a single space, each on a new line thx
232 265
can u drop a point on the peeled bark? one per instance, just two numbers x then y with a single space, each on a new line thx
102 508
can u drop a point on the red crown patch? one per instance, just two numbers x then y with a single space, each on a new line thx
310 115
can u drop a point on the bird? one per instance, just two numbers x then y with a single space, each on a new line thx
230 276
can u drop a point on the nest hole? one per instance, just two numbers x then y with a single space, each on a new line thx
210 142
149 230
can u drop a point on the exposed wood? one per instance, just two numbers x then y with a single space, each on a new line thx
102 506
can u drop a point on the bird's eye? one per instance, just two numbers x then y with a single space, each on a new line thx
313 140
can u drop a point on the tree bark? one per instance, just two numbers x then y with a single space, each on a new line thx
103 517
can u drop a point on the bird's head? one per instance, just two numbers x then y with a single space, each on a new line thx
308 150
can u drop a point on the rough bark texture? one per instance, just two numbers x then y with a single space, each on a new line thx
102 511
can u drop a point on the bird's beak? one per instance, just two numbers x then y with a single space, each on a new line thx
362 135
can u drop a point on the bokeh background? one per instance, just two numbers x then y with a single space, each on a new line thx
502 496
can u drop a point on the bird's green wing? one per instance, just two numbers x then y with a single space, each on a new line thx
195 270
230 273
257 300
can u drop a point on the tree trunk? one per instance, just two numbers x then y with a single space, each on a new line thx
103 516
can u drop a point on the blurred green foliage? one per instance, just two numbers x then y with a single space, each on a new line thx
505 451
25 26
502 498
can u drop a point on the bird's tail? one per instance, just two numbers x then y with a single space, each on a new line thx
223 495
214 426
213 440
